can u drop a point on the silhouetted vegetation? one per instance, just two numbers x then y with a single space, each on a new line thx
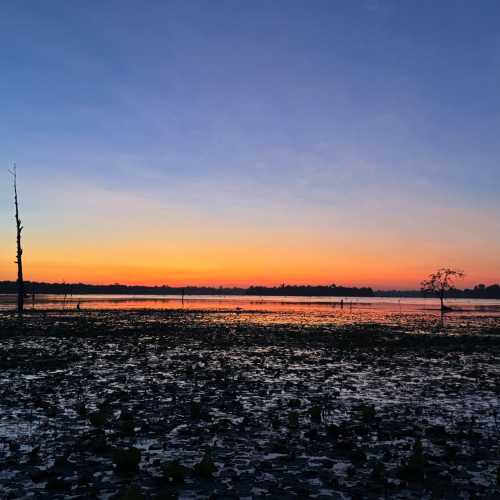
289 290
480 291
121 405
310 290
441 282
82 289
19 252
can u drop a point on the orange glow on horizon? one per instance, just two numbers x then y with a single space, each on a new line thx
204 254
235 271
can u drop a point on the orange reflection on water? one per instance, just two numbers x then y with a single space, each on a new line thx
285 310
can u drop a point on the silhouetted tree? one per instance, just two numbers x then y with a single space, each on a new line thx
441 282
19 253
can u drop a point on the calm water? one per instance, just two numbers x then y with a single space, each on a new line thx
312 310
250 302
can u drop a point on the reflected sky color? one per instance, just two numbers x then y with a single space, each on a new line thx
412 314
252 142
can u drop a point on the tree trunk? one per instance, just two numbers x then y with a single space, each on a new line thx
19 254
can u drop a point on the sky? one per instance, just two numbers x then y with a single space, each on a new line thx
251 142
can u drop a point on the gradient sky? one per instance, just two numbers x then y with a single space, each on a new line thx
238 142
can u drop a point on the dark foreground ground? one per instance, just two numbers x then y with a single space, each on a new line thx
140 405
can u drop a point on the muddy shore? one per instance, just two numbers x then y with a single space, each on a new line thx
180 404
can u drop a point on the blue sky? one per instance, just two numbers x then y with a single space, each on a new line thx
372 124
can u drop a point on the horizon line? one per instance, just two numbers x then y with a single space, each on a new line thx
227 287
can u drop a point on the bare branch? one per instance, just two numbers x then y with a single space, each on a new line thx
19 260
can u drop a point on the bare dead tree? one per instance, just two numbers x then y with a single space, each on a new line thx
441 282
19 254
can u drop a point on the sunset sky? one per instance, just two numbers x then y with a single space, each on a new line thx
251 142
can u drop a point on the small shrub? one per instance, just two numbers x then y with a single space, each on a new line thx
127 426
368 412
333 431
14 446
98 443
378 472
34 455
61 461
174 472
132 493
414 469
293 420
81 409
315 412
351 471
166 495
358 456
57 485
205 468
311 434
195 409
127 460
97 418
51 411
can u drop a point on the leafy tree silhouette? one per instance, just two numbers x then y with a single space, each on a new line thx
441 282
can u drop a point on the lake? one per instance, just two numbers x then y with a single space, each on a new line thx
421 314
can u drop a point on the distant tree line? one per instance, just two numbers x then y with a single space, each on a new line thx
10 287
311 290
478 292
82 288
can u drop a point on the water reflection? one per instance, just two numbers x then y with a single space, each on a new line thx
415 314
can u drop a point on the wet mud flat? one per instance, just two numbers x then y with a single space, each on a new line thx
186 404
